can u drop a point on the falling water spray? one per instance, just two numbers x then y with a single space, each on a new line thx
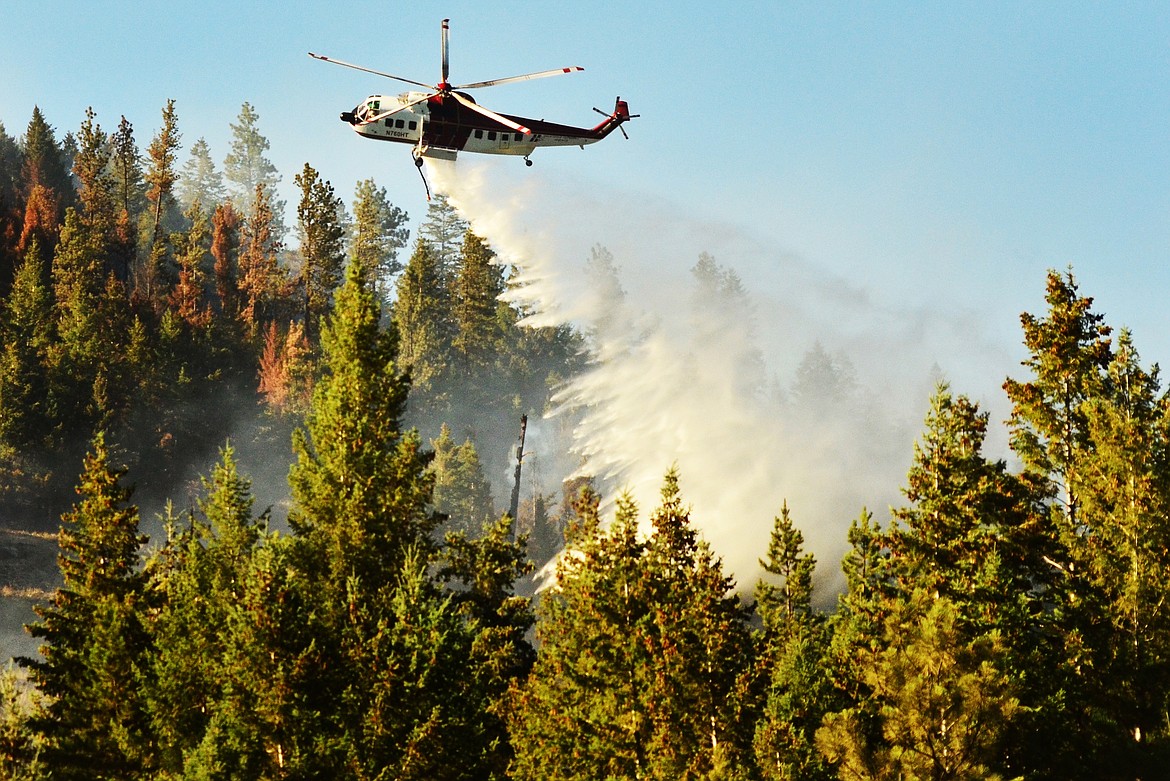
700 343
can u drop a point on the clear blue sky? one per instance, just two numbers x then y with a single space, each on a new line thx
940 154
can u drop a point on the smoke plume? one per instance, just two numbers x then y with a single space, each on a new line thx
762 378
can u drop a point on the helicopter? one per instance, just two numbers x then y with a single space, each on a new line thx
444 120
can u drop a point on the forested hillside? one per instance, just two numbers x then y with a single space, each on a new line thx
1001 623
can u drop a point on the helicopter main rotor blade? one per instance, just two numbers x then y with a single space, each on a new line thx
487 112
446 32
394 111
525 77
323 58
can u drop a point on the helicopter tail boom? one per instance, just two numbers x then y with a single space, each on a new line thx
621 113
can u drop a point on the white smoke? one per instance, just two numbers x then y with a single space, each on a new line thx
706 378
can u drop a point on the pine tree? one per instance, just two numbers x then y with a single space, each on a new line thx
422 317
246 168
11 202
93 638
225 251
199 181
377 235
1069 352
160 178
940 707
20 746
259 279
791 665
964 535
485 570
202 575
644 648
93 168
129 197
28 419
461 491
477 286
582 713
443 230
1126 547
320 224
81 359
359 489
701 649
45 161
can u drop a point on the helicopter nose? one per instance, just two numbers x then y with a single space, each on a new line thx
347 116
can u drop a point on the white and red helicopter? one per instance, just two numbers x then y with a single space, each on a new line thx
444 121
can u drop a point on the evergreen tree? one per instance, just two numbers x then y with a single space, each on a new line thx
422 317
11 207
199 181
461 491
93 638
700 648
129 196
359 489
246 168
485 570
160 178
225 252
46 162
320 224
27 417
186 298
644 648
259 277
93 168
966 533
791 661
83 355
476 288
1069 353
582 713
378 233
443 229
1125 507
20 747
940 707
201 574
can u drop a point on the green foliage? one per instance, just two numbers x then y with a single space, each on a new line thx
20 745
358 484
93 636
461 491
377 235
791 661
199 181
422 317
643 647
940 704
320 225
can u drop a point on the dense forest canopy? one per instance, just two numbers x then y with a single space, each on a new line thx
370 621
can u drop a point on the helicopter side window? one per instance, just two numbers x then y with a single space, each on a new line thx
479 134
491 135
399 123
412 125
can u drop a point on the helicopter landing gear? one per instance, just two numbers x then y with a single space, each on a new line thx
527 162
418 161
